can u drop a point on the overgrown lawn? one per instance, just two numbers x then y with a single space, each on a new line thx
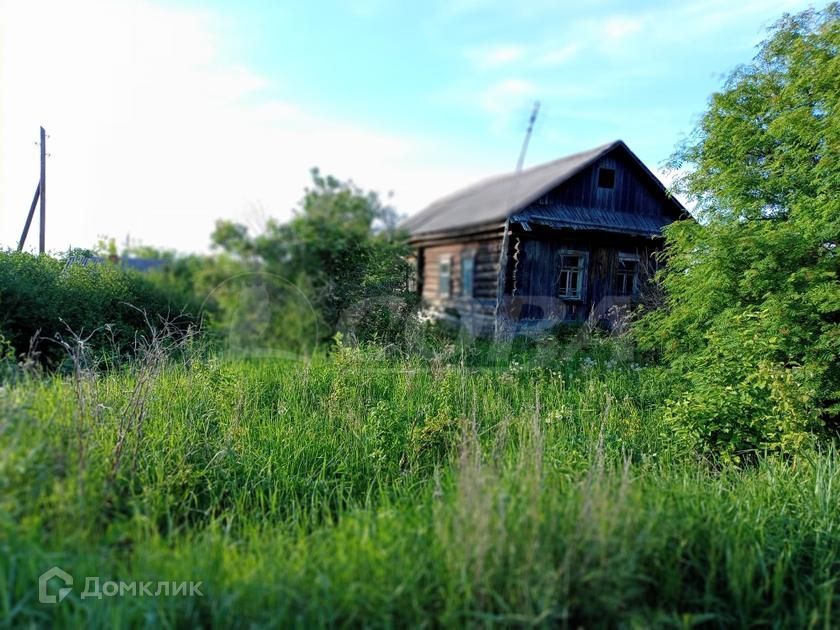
358 489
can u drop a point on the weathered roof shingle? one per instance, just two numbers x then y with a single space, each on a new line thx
497 198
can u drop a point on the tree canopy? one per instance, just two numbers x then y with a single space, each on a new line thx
751 327
341 248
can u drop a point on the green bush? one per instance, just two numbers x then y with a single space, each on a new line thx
737 399
44 297
751 324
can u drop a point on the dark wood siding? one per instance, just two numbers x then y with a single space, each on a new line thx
535 266
633 192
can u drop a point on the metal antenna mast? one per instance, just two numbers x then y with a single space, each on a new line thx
531 122
503 252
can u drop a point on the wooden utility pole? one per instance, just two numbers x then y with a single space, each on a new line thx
29 216
40 194
42 241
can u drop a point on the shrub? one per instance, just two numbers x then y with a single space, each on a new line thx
47 297
737 398
751 321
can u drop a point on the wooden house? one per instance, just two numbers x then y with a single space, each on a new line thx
562 241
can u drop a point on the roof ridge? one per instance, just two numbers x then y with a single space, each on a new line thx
598 149
443 204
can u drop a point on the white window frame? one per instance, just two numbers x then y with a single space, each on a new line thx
445 261
628 257
581 270
467 257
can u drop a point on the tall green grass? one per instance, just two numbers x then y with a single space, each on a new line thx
360 489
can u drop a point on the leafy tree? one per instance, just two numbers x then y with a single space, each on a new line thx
341 249
751 323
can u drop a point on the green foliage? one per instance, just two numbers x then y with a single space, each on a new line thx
751 327
435 439
342 250
44 296
355 489
738 398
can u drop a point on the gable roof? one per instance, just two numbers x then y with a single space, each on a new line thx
497 198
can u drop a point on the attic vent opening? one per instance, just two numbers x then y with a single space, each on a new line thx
606 178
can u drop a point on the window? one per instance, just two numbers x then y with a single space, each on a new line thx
411 274
467 274
572 271
627 274
445 276
606 178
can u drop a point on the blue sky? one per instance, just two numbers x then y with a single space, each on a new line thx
165 116
470 69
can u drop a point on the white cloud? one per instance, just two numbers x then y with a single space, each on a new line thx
619 28
558 56
505 95
154 133
491 56
526 57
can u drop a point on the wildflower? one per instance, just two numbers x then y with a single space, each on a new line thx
554 416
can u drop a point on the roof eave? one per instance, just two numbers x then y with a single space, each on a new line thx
479 230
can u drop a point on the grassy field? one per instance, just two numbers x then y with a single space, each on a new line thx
358 489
